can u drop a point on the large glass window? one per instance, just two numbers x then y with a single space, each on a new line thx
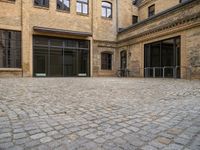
56 57
106 61
63 5
42 3
82 6
162 59
106 9
10 49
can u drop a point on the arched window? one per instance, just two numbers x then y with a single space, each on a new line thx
63 5
106 61
82 6
106 9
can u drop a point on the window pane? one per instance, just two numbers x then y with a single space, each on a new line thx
85 9
41 41
104 12
44 3
71 43
66 3
83 44
86 1
59 4
36 2
78 9
56 42
109 15
56 62
106 4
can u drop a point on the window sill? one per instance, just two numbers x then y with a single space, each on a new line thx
82 14
108 70
41 7
105 18
63 11
11 69
7 1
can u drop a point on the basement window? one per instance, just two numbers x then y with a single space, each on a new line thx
41 3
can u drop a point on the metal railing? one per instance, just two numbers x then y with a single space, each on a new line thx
151 72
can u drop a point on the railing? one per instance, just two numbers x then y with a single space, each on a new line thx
162 71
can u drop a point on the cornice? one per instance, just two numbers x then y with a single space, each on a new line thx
166 26
157 16
173 27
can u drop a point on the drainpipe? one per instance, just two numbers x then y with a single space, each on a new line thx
117 15
21 38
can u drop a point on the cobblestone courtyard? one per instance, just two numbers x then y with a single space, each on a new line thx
99 114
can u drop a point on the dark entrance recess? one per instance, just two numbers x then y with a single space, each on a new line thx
162 59
123 58
56 57
123 63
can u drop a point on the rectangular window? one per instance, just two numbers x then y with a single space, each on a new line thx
82 6
41 3
10 49
151 10
106 61
63 5
134 19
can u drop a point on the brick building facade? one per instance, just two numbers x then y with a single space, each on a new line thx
56 38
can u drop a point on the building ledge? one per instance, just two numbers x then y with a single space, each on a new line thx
61 31
10 70
163 13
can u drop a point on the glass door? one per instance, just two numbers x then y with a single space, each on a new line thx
70 63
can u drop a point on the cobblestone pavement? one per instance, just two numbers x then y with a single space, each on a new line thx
99 114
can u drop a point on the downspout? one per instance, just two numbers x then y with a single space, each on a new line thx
91 42
92 17
21 38
117 16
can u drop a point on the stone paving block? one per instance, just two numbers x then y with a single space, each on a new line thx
37 136
6 145
91 136
4 140
21 141
163 140
16 148
181 141
134 129
19 135
135 115
32 143
5 135
45 139
83 133
173 147
117 133
148 147
100 140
